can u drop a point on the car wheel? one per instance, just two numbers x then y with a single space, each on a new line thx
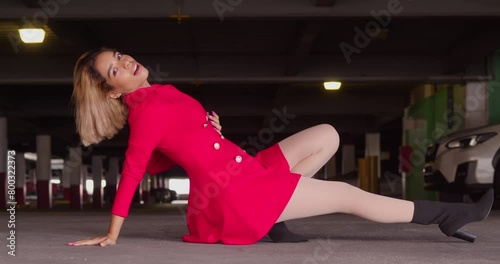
167 198
173 195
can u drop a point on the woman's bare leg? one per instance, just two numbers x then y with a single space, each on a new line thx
316 197
308 150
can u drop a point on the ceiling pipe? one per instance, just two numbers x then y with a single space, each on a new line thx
284 79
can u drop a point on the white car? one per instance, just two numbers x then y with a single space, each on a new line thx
466 162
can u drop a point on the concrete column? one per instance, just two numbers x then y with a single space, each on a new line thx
112 180
348 159
146 186
166 183
154 182
43 172
97 172
476 104
75 171
159 181
3 163
31 185
85 177
20 178
66 180
372 147
331 168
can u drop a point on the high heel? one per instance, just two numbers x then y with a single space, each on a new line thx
453 216
460 234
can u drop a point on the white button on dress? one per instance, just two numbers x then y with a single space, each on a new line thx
238 158
205 125
216 145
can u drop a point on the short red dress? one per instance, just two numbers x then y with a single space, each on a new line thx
234 198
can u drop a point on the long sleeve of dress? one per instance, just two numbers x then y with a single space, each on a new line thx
159 163
145 135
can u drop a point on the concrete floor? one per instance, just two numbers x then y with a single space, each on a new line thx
153 235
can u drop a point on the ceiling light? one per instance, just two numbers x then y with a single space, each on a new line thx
332 85
32 35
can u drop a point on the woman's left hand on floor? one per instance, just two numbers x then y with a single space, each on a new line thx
214 120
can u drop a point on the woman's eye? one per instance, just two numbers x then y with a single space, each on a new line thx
114 71
119 56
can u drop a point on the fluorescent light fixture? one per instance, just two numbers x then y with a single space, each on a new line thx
30 156
55 181
332 85
32 35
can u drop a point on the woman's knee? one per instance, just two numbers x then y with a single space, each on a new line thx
346 188
347 196
332 136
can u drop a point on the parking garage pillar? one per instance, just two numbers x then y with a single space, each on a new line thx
20 178
66 177
348 159
85 177
146 186
476 104
3 163
31 182
75 172
97 171
43 172
330 169
112 179
372 148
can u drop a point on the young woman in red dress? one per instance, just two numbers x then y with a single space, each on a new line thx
170 128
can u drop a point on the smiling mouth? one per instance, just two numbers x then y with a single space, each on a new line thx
136 70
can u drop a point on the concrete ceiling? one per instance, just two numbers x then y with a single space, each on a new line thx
244 58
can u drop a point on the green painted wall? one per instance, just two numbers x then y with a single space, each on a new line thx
433 111
459 107
417 139
494 89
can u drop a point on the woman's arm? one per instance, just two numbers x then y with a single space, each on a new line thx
143 159
145 135
159 163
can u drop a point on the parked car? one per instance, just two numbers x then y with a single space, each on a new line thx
163 195
465 162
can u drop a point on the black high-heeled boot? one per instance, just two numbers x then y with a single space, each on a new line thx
279 233
452 216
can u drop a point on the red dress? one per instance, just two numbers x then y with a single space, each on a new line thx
234 198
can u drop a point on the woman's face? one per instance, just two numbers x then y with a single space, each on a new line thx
122 72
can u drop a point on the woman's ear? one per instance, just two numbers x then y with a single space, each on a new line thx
114 95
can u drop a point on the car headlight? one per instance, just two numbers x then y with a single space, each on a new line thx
470 141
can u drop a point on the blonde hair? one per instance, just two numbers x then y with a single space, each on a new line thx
97 117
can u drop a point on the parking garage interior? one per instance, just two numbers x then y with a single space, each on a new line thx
408 72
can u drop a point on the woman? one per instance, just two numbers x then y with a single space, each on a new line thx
168 128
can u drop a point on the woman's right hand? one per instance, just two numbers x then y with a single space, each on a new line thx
106 240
